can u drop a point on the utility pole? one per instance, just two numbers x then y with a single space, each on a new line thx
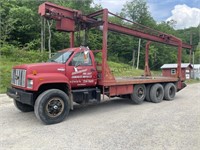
133 58
190 61
193 64
192 54
49 41
42 34
43 24
138 58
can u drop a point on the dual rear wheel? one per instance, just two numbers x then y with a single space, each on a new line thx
153 93
169 91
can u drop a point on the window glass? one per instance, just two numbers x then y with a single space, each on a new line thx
173 71
81 59
60 57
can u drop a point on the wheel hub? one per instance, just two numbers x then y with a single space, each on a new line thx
54 107
140 92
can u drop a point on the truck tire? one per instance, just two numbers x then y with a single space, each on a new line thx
148 88
169 91
23 107
139 93
52 106
156 93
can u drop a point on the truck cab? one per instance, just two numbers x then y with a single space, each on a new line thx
70 72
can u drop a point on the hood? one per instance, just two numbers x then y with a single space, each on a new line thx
42 67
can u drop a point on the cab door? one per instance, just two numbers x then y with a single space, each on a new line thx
81 70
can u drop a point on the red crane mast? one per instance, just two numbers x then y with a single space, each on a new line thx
70 20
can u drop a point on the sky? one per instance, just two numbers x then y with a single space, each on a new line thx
185 12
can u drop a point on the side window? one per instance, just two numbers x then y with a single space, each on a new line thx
81 59
173 71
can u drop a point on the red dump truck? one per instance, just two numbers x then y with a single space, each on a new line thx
72 75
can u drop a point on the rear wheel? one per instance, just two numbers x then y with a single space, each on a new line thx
156 93
148 87
169 91
23 107
52 106
139 93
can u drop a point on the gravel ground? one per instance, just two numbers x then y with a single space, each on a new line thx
111 125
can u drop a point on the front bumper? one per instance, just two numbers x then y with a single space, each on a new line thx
21 96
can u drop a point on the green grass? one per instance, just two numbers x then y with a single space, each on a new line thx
9 57
192 81
121 69
5 72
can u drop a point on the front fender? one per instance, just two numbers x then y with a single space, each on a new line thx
44 78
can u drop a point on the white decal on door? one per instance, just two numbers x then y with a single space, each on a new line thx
79 71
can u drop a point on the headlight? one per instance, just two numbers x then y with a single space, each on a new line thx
30 83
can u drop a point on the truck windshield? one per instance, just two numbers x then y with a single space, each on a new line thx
60 57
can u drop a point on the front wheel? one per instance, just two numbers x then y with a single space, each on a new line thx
23 107
52 106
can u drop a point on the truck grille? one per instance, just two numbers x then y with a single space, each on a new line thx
18 77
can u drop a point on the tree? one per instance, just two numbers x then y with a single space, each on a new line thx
20 23
20 26
6 22
137 11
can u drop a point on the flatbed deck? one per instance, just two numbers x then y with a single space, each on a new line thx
140 80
